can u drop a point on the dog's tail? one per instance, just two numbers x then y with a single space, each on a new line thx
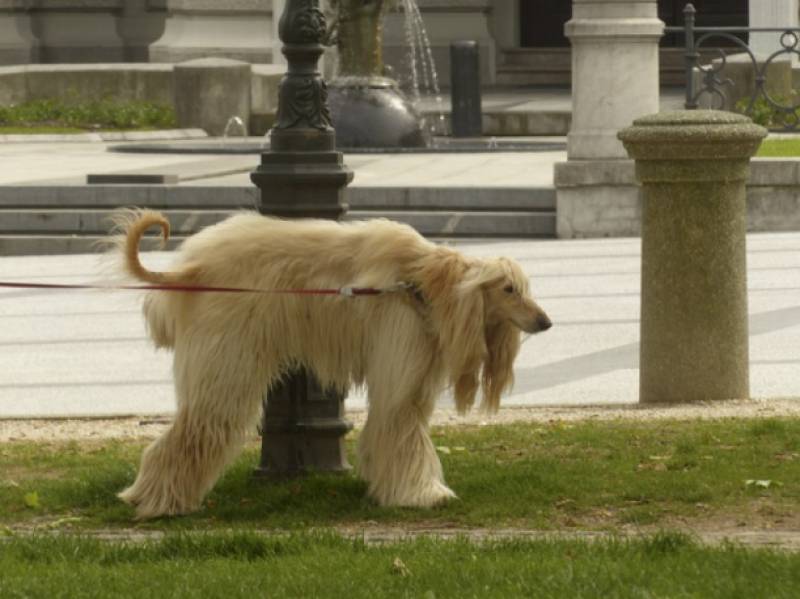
132 225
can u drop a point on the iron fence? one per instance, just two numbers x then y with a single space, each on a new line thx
769 109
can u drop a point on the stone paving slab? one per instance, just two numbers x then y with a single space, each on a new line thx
85 353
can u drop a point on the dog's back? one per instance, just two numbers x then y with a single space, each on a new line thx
254 251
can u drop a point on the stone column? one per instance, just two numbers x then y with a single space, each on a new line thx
614 72
18 44
139 24
242 30
693 166
77 33
277 10
614 80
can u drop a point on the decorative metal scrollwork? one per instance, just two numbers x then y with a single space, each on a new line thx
302 23
303 103
784 115
303 93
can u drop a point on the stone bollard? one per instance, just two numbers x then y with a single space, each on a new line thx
209 91
692 166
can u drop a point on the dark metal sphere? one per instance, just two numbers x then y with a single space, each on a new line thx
374 113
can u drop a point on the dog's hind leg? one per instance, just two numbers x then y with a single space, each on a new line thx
219 390
159 319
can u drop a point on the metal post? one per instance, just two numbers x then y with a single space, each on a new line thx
692 55
465 89
302 176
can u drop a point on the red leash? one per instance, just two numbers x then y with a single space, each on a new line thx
346 291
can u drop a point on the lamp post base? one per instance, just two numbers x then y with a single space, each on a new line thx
303 429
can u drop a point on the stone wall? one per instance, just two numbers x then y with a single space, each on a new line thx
109 31
125 82
773 198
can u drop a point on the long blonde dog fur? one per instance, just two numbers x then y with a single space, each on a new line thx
457 324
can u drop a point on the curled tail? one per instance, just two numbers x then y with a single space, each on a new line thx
133 225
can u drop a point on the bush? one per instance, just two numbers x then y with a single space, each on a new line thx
764 113
100 114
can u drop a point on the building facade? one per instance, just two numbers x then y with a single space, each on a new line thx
522 42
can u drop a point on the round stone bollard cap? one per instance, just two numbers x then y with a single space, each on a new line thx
692 134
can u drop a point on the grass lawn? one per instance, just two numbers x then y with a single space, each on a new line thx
776 148
588 475
70 116
322 565
617 476
38 130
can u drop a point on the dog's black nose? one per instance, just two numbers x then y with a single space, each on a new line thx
543 323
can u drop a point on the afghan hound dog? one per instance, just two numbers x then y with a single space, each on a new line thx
444 320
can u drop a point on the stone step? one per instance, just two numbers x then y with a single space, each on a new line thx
48 231
553 66
522 76
470 224
554 59
177 197
81 223
506 124
43 245
494 199
95 222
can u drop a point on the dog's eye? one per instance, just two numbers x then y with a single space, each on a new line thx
508 289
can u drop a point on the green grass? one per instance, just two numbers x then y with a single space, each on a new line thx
324 565
594 475
57 115
39 130
779 148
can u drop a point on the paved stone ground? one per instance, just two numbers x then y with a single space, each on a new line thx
83 353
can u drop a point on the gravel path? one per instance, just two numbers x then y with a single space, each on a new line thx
149 427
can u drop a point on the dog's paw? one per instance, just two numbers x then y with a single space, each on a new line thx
436 493
430 495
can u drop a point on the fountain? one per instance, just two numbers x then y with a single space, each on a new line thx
367 107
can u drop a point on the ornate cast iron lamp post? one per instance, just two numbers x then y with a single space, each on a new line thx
302 176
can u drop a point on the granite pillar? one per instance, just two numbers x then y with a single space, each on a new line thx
693 166
614 80
242 30
18 44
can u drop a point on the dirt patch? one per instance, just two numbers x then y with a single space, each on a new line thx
783 539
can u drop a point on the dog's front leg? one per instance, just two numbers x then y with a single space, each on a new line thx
397 457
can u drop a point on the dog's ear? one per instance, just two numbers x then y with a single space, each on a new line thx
451 285
502 344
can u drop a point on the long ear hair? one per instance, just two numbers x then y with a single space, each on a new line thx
503 344
452 286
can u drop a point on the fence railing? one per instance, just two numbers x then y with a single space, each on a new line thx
776 112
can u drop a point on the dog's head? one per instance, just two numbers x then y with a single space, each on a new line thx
507 298
481 315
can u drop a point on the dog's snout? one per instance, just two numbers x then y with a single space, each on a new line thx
543 323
